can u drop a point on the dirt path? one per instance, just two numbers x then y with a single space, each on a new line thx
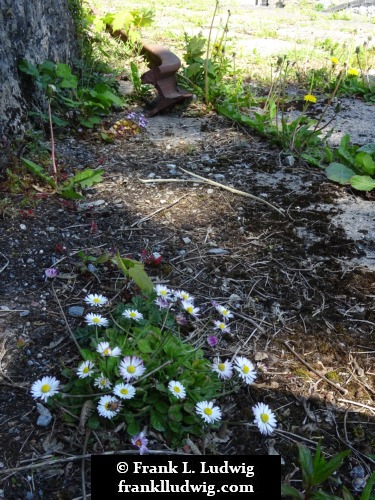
302 307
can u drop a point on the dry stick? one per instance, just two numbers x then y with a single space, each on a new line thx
158 210
208 181
371 408
83 464
66 321
47 463
338 388
6 265
233 190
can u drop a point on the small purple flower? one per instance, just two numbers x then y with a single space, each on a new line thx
51 272
181 319
141 442
162 303
131 116
212 340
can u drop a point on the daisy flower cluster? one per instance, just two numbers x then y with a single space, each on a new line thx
166 298
115 373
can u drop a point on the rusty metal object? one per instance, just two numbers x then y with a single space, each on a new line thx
163 66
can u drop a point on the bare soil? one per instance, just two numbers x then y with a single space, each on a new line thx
304 313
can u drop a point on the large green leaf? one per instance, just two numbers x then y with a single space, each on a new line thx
175 414
122 20
38 171
367 148
366 493
157 421
340 173
289 491
362 182
28 68
87 177
324 470
365 162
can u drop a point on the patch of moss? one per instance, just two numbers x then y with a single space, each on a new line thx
334 376
300 372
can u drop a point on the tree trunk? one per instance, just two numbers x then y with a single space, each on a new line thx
36 30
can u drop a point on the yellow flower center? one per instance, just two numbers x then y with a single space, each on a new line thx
106 352
131 369
133 314
124 391
86 369
176 389
96 320
96 300
245 369
221 366
189 309
103 381
163 293
264 418
207 411
46 388
222 326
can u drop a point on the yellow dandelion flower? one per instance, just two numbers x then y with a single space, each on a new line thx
334 60
353 72
310 98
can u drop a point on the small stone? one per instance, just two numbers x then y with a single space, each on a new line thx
45 416
30 261
22 227
359 483
51 229
219 177
217 251
210 191
186 240
289 161
358 472
24 313
76 311
151 175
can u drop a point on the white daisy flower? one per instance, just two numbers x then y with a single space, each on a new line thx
96 320
245 369
93 299
131 367
133 314
208 411
224 370
108 406
177 389
124 391
189 308
181 294
45 388
102 382
223 327
85 369
105 350
163 291
264 418
224 311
